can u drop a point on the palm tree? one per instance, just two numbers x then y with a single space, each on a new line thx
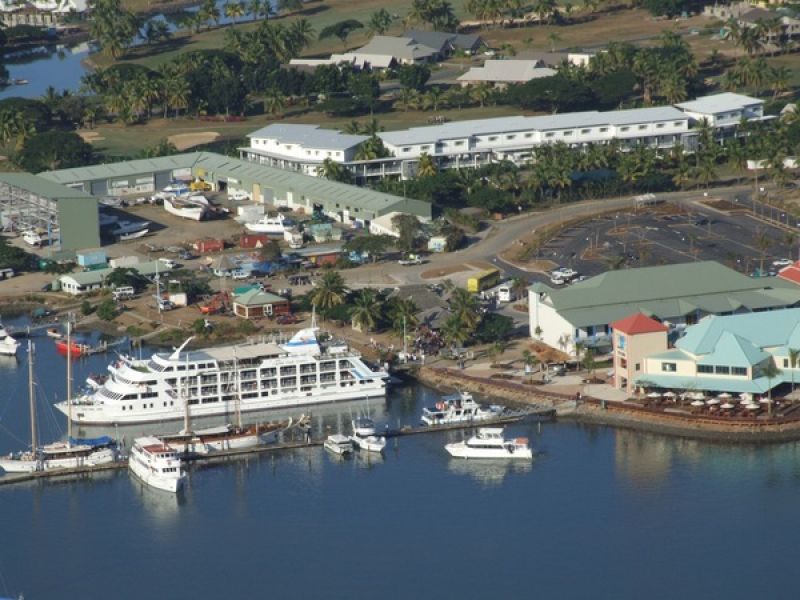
529 358
554 38
433 97
481 93
366 310
794 356
7 126
426 167
403 313
454 332
274 101
234 10
334 171
380 22
254 8
519 287
177 93
329 292
464 307
779 77
770 371
763 243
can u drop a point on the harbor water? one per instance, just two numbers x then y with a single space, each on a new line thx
600 513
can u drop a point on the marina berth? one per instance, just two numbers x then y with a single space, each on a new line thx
156 464
226 379
490 443
458 408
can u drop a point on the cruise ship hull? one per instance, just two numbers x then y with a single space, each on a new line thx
105 414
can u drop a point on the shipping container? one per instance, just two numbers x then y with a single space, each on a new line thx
123 261
209 245
253 240
91 258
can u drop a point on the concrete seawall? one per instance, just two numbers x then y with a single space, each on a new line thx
619 414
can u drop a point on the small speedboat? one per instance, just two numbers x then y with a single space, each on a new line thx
490 443
364 437
338 444
78 348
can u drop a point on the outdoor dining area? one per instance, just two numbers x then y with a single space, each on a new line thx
724 404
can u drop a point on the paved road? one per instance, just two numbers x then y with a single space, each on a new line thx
500 235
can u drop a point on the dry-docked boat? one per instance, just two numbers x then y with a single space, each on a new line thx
194 207
299 372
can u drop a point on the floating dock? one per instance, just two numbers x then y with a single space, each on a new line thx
537 413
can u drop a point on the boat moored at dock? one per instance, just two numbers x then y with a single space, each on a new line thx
338 444
270 375
364 436
156 464
458 408
8 345
489 442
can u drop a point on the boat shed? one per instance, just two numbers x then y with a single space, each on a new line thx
255 304
89 281
66 218
345 203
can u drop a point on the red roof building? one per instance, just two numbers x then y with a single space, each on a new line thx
638 323
791 273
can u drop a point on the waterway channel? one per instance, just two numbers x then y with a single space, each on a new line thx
601 513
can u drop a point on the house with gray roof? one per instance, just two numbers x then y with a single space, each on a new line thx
446 43
405 51
677 295
728 354
724 111
501 73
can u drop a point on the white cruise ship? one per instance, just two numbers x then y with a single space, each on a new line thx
270 375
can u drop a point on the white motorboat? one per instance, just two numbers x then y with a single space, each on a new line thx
8 345
490 443
20 462
364 437
65 455
272 375
276 225
130 230
458 408
338 444
193 207
156 464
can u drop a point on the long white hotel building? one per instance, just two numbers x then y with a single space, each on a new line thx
474 143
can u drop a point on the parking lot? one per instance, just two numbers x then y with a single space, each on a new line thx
667 235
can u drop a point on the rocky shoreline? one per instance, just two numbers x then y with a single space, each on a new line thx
615 414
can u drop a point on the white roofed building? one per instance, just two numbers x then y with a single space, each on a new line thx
724 111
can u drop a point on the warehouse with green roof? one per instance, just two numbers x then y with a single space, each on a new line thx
678 295
348 204
64 218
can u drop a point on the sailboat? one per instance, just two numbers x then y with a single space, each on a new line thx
224 437
25 462
76 453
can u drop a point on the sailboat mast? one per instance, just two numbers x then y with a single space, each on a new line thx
32 397
185 390
69 381
238 392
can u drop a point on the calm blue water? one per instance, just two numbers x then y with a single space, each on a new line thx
64 68
601 513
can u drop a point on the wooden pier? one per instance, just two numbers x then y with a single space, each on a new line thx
538 413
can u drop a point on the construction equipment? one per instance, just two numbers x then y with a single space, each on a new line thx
219 302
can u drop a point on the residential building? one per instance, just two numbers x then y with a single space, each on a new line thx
404 51
634 338
446 43
501 73
724 112
255 304
728 354
303 147
89 281
39 13
677 295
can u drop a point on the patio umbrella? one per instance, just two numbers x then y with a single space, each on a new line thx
712 402
727 406
670 394
746 396
752 406
765 401
724 395
654 395
698 403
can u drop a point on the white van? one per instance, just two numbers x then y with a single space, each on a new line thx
125 292
167 262
505 293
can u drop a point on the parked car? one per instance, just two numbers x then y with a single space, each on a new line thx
782 262
238 195
239 274
287 320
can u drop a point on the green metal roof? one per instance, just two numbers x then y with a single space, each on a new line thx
767 329
669 291
256 297
98 276
42 186
734 351
225 166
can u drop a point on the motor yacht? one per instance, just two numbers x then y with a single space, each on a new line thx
490 443
338 444
156 464
458 408
364 437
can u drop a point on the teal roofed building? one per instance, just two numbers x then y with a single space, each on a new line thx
729 354
677 295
